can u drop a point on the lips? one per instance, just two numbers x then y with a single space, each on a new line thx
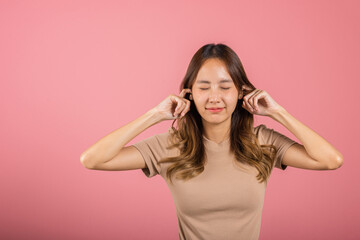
214 108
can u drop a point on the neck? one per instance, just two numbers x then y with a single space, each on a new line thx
217 132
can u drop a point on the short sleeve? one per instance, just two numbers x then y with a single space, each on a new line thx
152 149
280 141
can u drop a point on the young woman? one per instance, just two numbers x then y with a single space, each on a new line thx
216 164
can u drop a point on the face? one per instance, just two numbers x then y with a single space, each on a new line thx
214 88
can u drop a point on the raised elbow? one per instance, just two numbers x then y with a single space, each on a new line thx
337 162
340 161
85 162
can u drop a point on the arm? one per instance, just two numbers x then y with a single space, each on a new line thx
109 146
315 147
315 154
109 152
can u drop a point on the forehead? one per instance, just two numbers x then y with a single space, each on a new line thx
213 70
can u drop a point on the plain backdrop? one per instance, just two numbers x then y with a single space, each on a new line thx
74 71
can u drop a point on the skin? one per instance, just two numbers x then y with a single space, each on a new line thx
213 95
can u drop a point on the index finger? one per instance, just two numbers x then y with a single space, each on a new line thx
184 91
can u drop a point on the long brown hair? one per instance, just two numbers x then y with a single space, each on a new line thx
243 142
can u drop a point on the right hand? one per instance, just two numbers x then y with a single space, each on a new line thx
173 107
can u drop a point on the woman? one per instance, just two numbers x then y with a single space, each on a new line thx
215 162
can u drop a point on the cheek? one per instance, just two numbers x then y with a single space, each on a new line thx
230 98
199 104
199 100
231 102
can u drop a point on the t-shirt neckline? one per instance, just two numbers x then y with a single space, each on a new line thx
224 142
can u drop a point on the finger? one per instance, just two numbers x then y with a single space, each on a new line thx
256 98
175 100
186 109
179 107
184 91
245 105
248 105
253 100
246 98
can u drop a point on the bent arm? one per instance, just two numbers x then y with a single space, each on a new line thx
109 146
316 146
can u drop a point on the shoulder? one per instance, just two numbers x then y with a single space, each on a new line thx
264 134
260 131
157 144
159 140
163 140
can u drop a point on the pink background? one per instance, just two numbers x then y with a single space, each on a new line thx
74 71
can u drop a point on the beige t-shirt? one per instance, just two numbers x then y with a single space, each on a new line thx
224 201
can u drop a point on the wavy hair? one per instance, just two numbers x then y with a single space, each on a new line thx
243 141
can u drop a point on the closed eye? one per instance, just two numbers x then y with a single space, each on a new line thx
208 88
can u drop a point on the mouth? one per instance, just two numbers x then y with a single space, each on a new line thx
214 110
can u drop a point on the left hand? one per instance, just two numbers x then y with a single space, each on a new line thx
260 102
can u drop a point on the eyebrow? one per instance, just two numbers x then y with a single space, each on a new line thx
221 81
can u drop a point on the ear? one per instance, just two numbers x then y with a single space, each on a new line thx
190 97
246 88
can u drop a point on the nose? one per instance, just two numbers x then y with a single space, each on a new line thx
214 96
214 99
